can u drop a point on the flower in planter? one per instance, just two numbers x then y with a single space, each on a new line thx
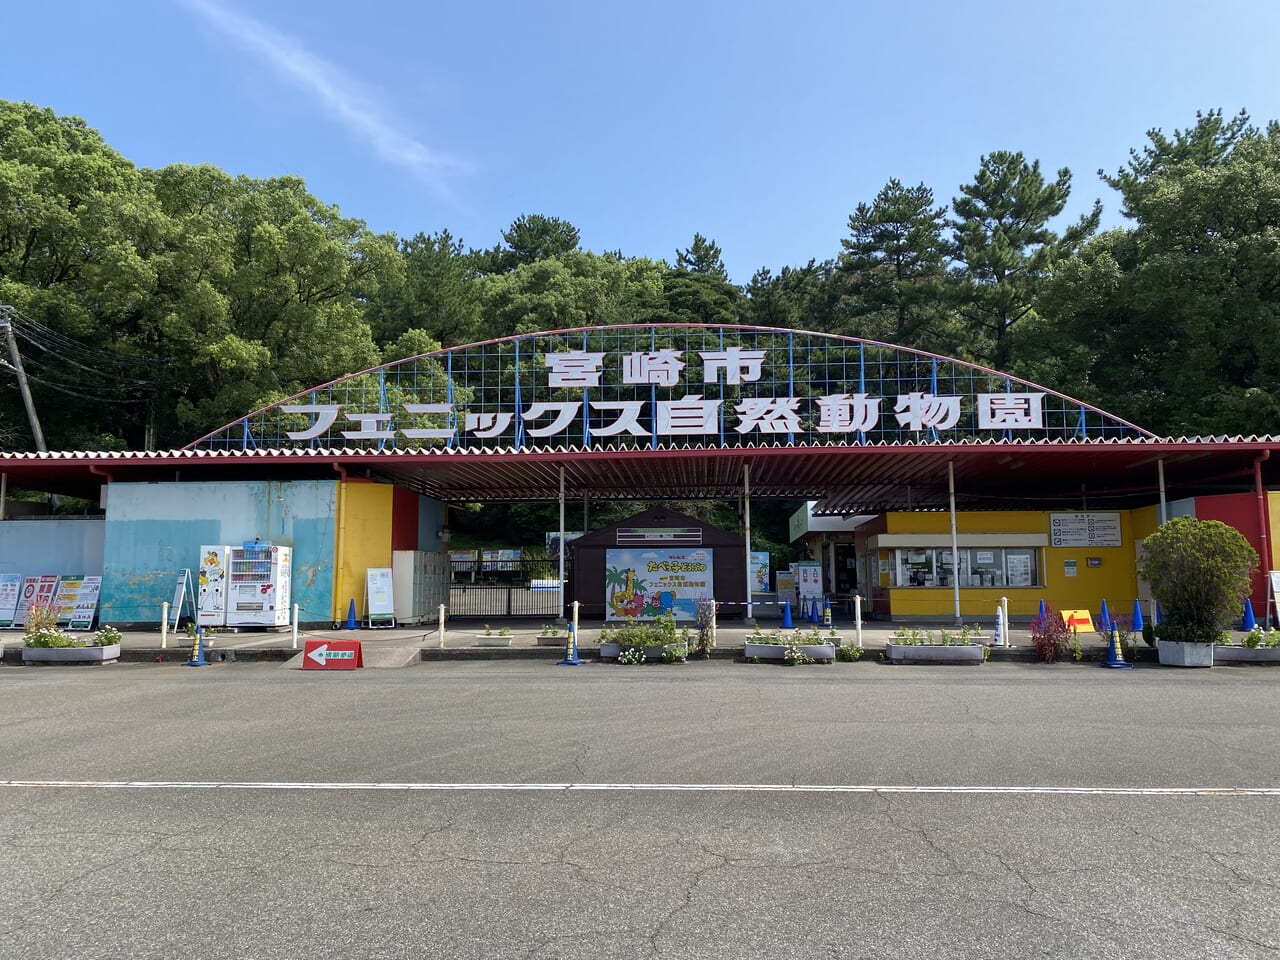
106 636
631 655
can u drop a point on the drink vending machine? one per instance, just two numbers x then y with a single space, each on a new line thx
259 594
244 586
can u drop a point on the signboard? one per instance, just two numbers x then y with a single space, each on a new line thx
760 571
1068 568
500 560
85 607
37 591
646 582
463 560
332 655
10 591
786 584
645 385
379 606
1084 530
808 575
183 591
1078 620
68 593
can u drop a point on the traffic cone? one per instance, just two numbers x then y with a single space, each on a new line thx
1159 618
1249 621
998 639
815 611
1042 610
1138 622
197 652
1105 617
786 615
351 617
826 612
1115 656
571 651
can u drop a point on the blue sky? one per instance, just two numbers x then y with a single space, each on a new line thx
759 125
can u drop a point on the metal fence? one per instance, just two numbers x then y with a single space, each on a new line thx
505 588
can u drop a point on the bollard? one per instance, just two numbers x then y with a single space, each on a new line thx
296 610
1004 611
441 626
857 621
164 625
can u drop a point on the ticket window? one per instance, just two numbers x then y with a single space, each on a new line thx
915 568
978 567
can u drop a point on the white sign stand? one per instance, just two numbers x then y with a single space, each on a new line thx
379 601
1273 591
183 592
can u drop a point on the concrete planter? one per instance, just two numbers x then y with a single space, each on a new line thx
777 651
1176 653
553 639
492 640
108 654
934 652
1234 654
611 651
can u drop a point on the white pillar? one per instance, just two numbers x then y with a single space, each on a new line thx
955 542
857 617
560 557
164 625
746 529
441 627
1164 510
1004 609
297 609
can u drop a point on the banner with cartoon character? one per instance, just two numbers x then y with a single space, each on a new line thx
645 582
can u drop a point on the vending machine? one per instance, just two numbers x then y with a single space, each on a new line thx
259 594
211 594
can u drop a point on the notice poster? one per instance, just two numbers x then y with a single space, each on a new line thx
379 603
787 588
1084 530
68 593
646 582
10 591
1017 569
759 571
86 605
36 591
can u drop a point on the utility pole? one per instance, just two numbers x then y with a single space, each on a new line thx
7 326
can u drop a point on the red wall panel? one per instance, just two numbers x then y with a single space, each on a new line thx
404 519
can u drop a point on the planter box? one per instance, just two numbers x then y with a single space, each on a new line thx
777 651
651 654
934 653
1175 653
492 640
1234 654
109 654
553 640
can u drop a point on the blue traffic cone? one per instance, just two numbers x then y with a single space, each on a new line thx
1159 616
1138 622
351 616
786 615
815 611
571 651
1249 621
1042 613
1115 656
1105 617
197 652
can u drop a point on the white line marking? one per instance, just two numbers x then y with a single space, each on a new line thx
652 788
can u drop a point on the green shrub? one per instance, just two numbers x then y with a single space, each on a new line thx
1199 571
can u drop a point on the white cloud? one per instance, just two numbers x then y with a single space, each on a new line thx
337 91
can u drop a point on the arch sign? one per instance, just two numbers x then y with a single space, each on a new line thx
631 387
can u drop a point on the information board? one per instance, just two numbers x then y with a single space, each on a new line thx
10 591
85 607
68 593
760 571
379 604
1084 530
808 575
36 591
646 582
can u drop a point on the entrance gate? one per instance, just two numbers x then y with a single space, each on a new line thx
504 588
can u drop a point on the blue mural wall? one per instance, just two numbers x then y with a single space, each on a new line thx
155 529
31 548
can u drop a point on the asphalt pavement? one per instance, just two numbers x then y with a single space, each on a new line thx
513 808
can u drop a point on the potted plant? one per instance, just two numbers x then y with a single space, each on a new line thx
949 646
803 646
551 636
1256 646
1200 572
637 641
43 642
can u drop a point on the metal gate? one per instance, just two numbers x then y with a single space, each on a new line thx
505 588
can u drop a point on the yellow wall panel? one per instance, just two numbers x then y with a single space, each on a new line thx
363 540
976 522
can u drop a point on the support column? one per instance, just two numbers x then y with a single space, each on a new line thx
36 433
1262 530
560 591
746 531
4 493
586 516
1164 510
955 540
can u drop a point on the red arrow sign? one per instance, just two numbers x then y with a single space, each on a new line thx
332 655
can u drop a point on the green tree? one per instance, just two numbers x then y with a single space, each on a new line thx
1170 323
894 267
532 237
1004 250
439 292
702 257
